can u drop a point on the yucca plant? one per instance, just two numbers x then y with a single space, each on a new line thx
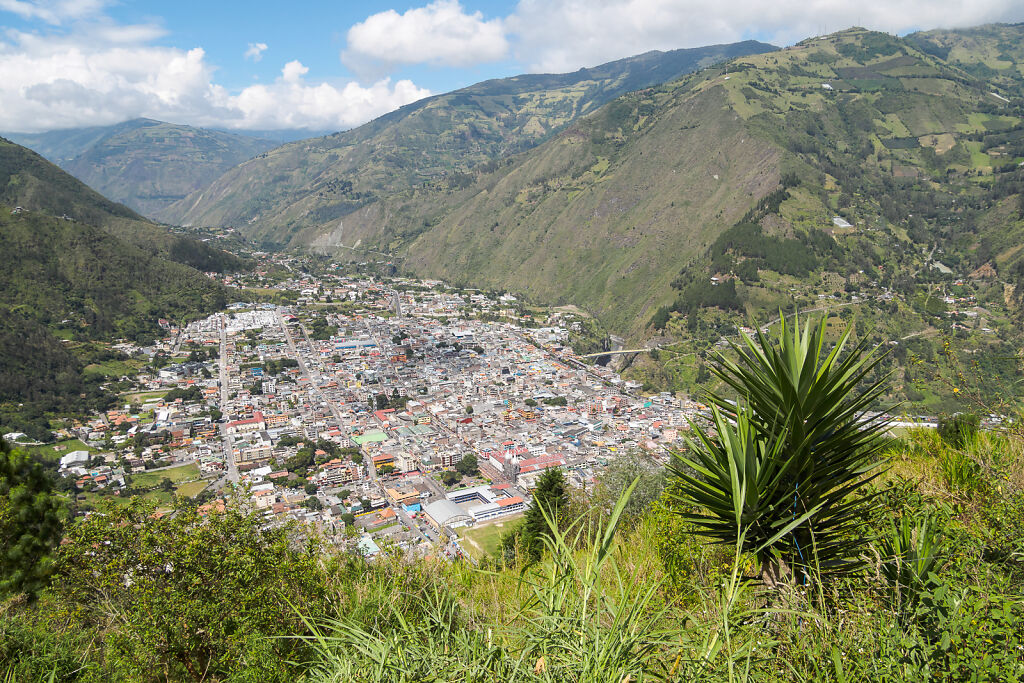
784 468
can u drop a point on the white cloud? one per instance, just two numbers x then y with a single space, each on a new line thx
441 33
82 68
53 11
102 74
563 35
291 103
293 71
255 51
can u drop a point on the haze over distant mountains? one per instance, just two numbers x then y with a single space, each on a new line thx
145 164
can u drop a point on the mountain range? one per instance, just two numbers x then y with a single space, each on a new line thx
601 187
145 164
916 139
284 197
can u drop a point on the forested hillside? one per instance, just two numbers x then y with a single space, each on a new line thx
65 284
79 269
29 181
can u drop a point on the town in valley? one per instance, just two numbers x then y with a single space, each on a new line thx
385 412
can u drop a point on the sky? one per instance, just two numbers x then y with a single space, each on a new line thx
324 66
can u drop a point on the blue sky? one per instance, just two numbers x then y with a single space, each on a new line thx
333 65
312 32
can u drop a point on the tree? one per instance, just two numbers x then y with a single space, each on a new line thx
31 523
620 475
550 498
310 488
469 410
782 473
469 465
348 518
450 478
299 462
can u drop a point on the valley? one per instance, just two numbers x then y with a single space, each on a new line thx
702 364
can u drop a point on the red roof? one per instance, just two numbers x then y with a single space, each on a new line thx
256 418
505 502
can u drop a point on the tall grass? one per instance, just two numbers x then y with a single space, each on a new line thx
579 618
592 611
604 604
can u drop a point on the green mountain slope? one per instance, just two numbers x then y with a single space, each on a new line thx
739 173
30 181
145 164
79 269
65 284
316 182
993 52
77 277
79 281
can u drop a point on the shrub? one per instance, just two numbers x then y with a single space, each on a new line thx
959 429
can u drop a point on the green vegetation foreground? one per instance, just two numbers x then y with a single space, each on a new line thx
901 561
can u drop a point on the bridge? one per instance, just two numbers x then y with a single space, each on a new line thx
615 353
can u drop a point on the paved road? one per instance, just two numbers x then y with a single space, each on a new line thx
410 523
227 440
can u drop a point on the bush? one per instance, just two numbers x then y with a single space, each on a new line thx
188 595
959 429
